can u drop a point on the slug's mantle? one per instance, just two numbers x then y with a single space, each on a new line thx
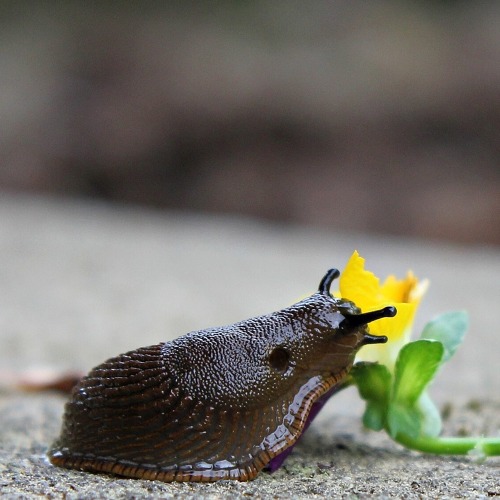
219 403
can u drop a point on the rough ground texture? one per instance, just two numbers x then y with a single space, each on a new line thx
80 283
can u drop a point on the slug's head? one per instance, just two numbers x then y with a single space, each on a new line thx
351 319
324 333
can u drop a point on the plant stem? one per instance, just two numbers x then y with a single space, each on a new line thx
487 446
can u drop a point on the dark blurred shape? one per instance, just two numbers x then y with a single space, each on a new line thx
352 115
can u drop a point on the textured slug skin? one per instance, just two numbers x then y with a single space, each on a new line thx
214 404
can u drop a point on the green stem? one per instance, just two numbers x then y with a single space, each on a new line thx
487 446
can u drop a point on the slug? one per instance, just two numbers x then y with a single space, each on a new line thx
220 403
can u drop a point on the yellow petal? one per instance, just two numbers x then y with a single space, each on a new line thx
363 288
403 290
418 291
397 290
358 285
394 328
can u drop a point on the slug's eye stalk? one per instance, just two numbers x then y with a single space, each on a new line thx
326 282
356 320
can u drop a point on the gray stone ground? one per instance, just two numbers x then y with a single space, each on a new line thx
80 283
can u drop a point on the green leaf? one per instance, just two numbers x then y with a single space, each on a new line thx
374 416
430 421
410 410
449 329
416 366
403 419
374 384
373 380
419 420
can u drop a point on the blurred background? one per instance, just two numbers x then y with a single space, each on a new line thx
365 116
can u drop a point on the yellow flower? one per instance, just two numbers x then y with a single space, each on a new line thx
363 288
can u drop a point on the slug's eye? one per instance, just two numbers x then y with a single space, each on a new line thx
279 359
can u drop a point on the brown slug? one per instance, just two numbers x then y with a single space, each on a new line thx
219 403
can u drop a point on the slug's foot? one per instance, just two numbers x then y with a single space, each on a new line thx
201 472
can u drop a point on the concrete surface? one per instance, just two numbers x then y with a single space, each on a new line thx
80 283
